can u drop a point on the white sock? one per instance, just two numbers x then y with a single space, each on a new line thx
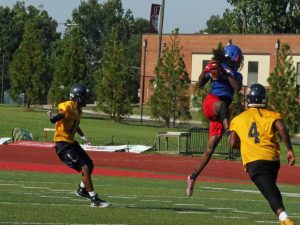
82 185
92 193
282 216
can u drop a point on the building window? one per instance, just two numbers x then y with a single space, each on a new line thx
298 73
252 72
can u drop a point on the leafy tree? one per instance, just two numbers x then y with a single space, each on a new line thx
218 25
137 28
269 16
231 22
171 98
236 106
283 92
11 29
12 22
265 17
30 71
70 63
96 21
113 80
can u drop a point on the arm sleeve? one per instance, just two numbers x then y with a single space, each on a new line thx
57 118
79 131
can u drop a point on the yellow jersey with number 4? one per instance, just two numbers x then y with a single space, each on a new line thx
66 128
255 130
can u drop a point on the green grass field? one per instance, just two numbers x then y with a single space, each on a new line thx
98 130
48 199
147 111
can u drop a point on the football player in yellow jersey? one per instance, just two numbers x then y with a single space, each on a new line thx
68 149
254 131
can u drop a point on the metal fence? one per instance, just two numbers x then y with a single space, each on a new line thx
198 141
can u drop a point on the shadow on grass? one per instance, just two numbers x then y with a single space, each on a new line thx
182 210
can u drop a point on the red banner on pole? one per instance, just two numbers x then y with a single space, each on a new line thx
154 18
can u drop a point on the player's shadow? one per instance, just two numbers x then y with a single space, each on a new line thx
186 209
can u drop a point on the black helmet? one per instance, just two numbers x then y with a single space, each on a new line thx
78 94
257 96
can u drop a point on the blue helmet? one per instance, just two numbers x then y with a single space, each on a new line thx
234 53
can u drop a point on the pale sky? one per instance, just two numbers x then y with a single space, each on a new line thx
189 16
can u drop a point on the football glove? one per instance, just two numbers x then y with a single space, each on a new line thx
212 65
213 69
49 113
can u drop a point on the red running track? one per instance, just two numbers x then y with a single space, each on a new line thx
44 159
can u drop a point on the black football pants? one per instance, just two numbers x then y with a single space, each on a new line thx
264 175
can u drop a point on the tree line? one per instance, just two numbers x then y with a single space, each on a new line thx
257 17
42 64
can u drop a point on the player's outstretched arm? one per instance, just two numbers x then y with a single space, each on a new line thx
82 137
234 140
235 84
285 137
202 79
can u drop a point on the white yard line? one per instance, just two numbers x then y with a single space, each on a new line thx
238 214
192 212
35 223
267 222
182 204
230 217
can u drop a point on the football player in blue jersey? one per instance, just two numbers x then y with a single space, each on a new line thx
223 74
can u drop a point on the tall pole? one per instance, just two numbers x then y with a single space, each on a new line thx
277 46
143 81
2 80
161 22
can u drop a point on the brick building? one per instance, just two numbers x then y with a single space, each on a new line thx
260 55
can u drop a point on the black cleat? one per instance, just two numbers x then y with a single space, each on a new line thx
82 192
97 202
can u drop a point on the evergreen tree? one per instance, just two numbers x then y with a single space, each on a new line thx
171 97
29 70
237 104
96 20
113 80
283 93
12 28
69 58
